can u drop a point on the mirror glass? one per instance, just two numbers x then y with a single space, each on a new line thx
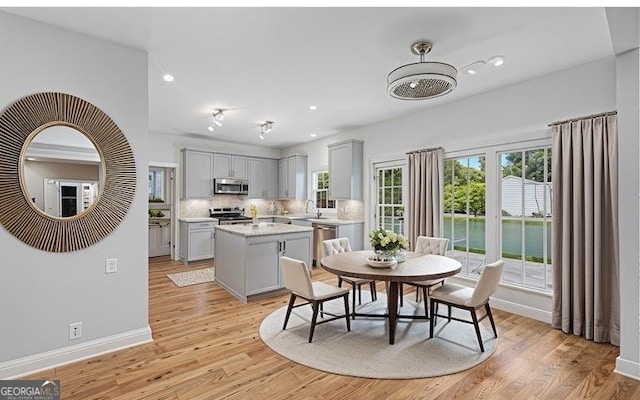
62 171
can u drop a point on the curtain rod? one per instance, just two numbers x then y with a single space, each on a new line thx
419 151
586 117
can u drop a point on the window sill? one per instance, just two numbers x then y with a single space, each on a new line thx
512 286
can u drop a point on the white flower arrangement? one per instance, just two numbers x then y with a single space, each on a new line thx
383 240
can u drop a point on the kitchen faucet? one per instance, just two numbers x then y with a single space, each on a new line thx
306 206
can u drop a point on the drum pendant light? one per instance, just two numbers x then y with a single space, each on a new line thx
422 80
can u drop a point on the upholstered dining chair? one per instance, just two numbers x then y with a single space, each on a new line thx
341 245
427 245
298 280
466 298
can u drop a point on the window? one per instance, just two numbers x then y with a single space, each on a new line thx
156 185
389 208
464 211
525 220
321 190
497 204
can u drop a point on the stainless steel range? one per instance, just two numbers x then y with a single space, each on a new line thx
229 216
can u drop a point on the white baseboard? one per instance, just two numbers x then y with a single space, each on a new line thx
38 362
519 309
627 368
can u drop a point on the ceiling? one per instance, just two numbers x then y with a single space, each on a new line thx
260 64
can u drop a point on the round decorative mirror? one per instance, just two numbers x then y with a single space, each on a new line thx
79 210
61 171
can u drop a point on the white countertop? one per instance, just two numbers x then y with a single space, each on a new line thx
263 229
310 218
198 219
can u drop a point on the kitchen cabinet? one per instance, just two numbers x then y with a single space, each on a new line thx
248 260
263 178
159 239
229 166
345 170
197 182
292 177
197 240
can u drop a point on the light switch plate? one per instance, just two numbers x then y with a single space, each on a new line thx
111 266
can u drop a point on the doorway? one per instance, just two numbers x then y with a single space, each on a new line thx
162 210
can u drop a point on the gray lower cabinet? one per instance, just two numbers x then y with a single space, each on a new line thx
250 266
159 240
197 241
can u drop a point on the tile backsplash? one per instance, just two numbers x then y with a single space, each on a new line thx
346 209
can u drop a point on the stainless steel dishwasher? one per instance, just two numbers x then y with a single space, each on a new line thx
321 232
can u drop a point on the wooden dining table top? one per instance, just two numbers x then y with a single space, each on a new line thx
416 267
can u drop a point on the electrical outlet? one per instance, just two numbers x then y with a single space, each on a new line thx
111 266
75 330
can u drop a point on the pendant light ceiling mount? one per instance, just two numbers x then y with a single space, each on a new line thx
421 80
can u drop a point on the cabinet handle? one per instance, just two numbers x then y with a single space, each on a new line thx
284 250
279 246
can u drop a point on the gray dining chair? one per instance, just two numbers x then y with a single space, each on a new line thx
427 245
298 280
341 245
470 299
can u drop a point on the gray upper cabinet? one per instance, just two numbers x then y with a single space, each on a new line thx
292 177
263 178
197 174
229 166
345 170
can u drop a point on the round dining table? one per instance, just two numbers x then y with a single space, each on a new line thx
416 267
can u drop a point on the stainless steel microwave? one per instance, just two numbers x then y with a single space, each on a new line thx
230 186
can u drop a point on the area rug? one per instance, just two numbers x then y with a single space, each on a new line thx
194 277
365 351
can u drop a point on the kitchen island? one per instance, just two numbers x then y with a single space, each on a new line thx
247 262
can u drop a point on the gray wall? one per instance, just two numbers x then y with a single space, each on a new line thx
41 292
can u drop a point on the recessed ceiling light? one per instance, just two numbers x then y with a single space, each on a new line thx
168 78
496 61
313 108
472 68
313 135
210 128
30 159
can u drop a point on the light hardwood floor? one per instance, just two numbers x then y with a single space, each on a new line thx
206 346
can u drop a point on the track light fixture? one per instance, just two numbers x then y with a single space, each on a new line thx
265 128
218 115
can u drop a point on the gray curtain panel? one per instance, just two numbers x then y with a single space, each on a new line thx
424 213
585 229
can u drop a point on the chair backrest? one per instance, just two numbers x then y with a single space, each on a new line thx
296 276
335 246
431 245
488 283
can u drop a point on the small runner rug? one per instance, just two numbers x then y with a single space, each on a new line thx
192 277
365 351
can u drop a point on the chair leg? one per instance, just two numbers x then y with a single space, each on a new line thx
359 295
339 281
292 300
490 315
432 321
426 302
417 294
449 312
321 310
476 325
353 312
314 305
346 312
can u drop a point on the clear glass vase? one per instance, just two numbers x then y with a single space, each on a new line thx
386 255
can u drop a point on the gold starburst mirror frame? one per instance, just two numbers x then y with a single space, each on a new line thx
20 123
